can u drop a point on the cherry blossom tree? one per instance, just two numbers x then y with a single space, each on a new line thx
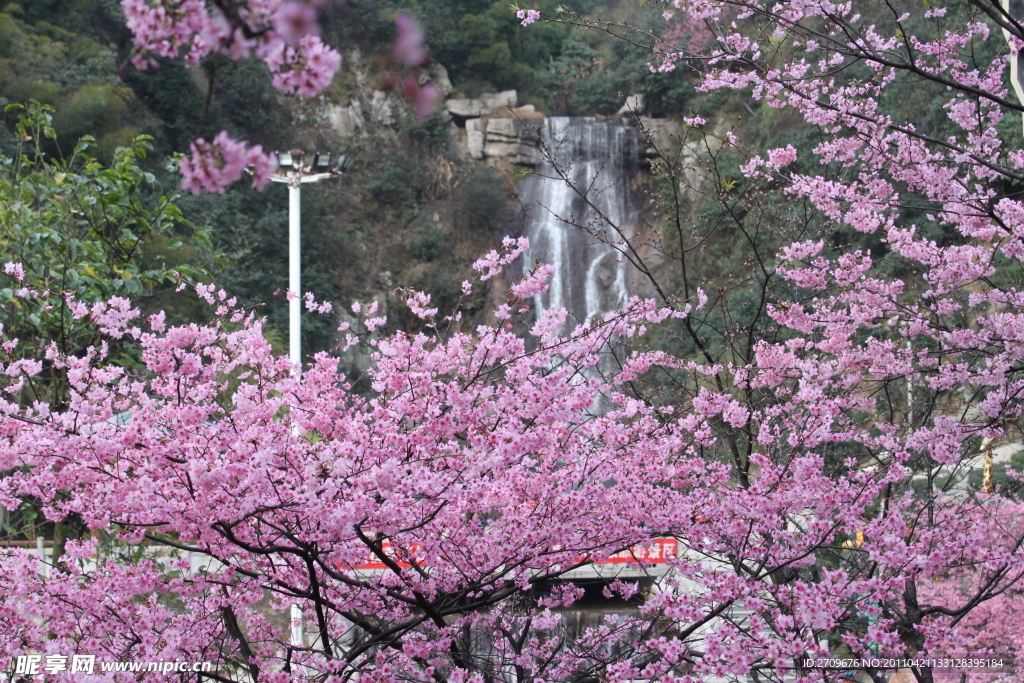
882 261
991 627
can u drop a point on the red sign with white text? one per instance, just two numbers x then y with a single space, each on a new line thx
655 552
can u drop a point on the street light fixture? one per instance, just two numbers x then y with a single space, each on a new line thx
284 161
321 162
342 163
292 170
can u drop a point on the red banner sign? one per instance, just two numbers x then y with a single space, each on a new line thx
655 552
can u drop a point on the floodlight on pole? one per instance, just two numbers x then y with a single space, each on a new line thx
342 163
284 161
321 162
292 169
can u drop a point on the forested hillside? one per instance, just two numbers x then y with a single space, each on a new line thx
412 212
415 210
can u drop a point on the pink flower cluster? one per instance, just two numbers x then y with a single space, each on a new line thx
215 165
476 469
283 33
408 48
494 262
418 303
409 52
777 158
535 283
305 67
528 16
808 478
314 306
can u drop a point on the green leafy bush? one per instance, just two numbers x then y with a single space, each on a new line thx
86 229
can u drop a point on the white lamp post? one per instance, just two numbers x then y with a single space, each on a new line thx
292 170
297 639
1013 12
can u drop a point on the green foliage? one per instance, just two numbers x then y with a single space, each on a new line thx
176 101
75 73
95 109
433 132
398 181
580 82
86 230
28 59
480 202
480 42
253 237
428 244
247 102
665 94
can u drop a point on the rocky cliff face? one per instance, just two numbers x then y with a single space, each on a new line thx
418 213
493 127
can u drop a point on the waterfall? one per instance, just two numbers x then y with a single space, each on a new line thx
598 156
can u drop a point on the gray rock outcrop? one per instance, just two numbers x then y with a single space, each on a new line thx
472 108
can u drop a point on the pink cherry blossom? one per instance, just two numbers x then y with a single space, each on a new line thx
215 165
408 48
425 100
304 68
493 263
294 19
535 283
528 16
283 33
417 302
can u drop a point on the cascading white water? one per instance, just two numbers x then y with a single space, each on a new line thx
597 156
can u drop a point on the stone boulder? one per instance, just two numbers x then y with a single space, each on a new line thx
385 109
438 75
634 105
666 134
475 138
502 138
474 108
512 139
346 121
523 113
